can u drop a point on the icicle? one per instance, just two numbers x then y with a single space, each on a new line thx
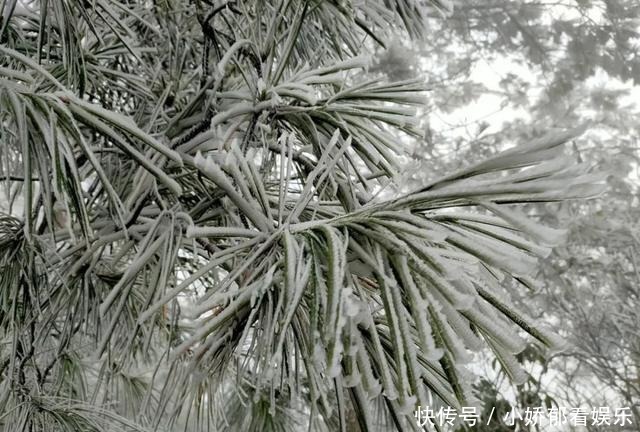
461 326
509 363
545 235
451 340
490 324
371 383
419 307
517 263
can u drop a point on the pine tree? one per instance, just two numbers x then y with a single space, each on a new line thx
199 230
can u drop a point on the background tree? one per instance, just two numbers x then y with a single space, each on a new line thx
200 230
